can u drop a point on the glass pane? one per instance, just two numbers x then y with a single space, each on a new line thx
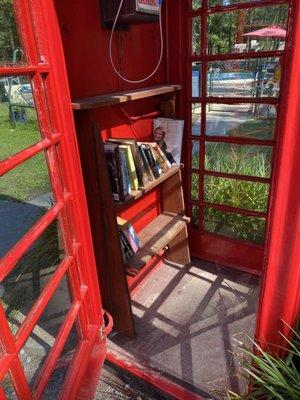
195 216
236 193
58 376
196 4
25 195
196 119
229 2
18 120
250 121
195 154
196 35
10 46
257 29
238 159
8 388
196 79
236 226
195 186
21 288
255 77
42 339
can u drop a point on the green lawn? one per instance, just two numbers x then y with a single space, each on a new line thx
30 179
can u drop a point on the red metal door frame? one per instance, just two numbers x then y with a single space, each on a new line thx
209 246
40 36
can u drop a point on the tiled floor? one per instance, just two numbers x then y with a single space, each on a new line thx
187 320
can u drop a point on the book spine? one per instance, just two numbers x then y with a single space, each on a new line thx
156 160
140 168
151 161
125 172
163 165
131 169
126 248
119 171
145 162
113 173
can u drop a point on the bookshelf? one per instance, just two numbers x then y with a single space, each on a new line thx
166 235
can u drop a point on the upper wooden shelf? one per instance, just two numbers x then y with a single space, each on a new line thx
122 97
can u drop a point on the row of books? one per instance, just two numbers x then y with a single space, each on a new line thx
130 242
133 164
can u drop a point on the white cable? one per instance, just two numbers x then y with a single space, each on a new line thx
110 48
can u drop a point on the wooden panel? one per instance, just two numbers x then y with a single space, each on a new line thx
111 271
179 251
172 195
122 97
157 235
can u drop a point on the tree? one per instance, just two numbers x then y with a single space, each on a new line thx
9 39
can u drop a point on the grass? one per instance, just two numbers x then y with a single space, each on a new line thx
30 179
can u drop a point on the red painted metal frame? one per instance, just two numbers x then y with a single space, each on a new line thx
41 41
198 235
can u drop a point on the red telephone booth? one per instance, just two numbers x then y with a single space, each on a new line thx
229 71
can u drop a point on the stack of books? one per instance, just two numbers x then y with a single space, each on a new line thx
133 164
130 243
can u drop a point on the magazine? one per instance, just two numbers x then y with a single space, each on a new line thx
168 134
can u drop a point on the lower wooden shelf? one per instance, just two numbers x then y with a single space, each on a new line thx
155 236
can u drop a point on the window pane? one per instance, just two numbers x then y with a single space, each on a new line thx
195 216
8 388
195 154
236 193
25 195
21 288
195 186
196 79
236 226
57 379
18 120
196 119
229 2
196 32
249 121
255 77
196 4
42 339
238 159
10 46
231 32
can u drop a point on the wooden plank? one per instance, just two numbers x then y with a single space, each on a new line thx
172 195
156 236
122 97
136 194
179 251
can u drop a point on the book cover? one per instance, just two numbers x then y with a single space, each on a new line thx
125 172
138 161
114 168
168 134
151 160
126 149
128 253
164 157
146 163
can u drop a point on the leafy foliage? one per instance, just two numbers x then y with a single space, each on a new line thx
9 39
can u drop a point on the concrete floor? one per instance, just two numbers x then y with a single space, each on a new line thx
187 321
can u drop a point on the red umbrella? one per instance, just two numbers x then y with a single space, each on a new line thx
270 31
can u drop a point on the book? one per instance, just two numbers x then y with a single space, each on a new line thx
146 163
126 249
155 157
125 173
115 173
163 165
128 231
131 169
166 161
168 134
138 161
150 160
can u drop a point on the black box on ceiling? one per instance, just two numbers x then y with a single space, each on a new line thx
132 12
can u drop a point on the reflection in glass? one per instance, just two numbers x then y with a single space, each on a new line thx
59 374
229 2
227 31
18 119
196 79
10 46
236 226
195 216
196 4
25 195
42 339
255 77
195 186
195 154
8 388
250 160
249 121
236 193
196 35
22 287
196 119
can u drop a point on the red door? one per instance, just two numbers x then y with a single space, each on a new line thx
52 341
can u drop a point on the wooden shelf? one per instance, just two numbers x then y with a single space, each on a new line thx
136 194
155 236
122 97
